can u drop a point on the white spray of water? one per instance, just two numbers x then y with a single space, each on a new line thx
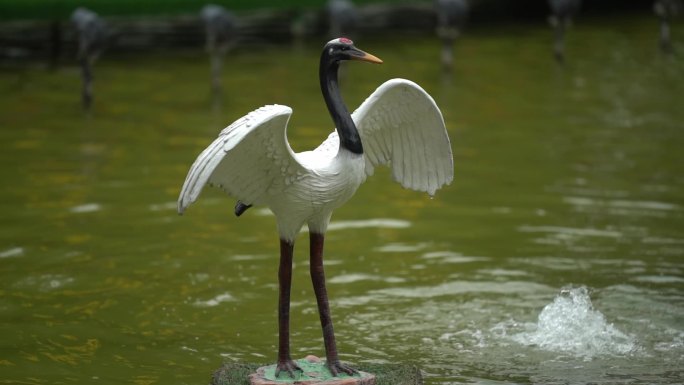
570 324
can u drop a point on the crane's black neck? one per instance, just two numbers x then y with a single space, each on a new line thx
346 129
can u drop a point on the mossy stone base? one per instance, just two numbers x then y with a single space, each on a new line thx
314 372
385 374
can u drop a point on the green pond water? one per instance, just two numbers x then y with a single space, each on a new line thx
556 255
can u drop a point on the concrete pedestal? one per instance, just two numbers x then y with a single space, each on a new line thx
384 374
314 372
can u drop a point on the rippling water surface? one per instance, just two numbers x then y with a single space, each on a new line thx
556 256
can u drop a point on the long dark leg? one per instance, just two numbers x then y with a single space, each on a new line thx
665 42
216 66
447 53
87 76
318 279
559 41
55 43
285 362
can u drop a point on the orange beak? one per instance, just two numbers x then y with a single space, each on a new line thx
364 56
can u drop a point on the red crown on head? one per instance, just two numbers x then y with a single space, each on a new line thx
346 40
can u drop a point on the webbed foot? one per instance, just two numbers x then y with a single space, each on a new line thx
288 366
336 367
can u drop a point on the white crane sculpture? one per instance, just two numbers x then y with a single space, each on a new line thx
398 125
92 37
451 19
221 30
666 10
562 12
343 17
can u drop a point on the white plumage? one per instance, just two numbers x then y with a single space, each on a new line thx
400 126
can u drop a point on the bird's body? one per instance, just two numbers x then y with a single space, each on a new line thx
343 17
398 125
220 26
92 32
564 10
452 13
92 38
331 181
451 19
304 188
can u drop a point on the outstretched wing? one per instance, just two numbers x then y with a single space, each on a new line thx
401 126
247 158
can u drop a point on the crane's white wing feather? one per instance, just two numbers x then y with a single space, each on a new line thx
247 158
402 127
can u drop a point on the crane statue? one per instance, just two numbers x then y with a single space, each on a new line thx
398 125
220 29
343 17
666 10
562 12
451 18
92 37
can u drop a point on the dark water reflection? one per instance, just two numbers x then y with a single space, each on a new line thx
556 255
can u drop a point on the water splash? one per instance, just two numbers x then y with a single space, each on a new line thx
386 223
86 208
356 277
217 300
166 206
45 282
13 252
570 324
